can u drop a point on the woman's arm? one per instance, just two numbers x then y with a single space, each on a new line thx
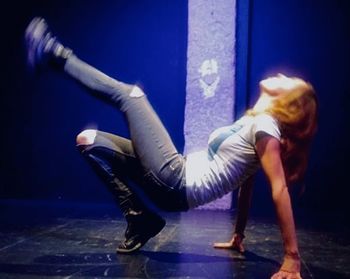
244 201
268 149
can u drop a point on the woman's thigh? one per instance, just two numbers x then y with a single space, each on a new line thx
117 156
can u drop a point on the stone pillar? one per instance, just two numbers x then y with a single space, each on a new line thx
210 74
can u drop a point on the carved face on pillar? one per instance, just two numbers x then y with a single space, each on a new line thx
209 79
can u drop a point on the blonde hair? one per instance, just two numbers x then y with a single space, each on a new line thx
296 112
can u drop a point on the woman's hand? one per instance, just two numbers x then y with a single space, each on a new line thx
234 244
290 268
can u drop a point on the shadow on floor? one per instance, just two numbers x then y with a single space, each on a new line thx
81 244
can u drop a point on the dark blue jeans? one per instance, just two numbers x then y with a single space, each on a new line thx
150 158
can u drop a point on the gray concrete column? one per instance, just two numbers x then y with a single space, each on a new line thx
210 74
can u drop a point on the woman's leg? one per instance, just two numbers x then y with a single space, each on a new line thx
157 157
113 159
150 139
152 144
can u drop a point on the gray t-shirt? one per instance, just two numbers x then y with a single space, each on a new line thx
229 160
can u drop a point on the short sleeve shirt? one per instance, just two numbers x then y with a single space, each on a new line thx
228 161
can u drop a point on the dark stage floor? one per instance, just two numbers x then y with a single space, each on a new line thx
38 241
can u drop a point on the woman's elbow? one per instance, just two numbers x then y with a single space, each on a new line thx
279 193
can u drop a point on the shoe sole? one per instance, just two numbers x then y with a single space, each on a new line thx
34 35
141 243
129 251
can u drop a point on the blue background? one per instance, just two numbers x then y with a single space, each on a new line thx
145 42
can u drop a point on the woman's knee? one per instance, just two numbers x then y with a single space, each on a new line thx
86 137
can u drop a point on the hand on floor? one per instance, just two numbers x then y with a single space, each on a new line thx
235 244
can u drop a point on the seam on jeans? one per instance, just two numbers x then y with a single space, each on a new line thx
89 147
154 179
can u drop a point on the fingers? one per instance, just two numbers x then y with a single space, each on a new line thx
286 275
229 245
240 248
223 245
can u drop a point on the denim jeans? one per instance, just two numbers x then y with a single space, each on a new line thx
150 158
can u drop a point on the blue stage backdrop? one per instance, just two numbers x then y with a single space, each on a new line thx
145 42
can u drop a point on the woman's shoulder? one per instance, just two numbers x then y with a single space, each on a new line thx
265 122
263 117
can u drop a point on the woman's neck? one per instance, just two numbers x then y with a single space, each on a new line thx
263 103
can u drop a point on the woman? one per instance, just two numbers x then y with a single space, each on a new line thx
274 134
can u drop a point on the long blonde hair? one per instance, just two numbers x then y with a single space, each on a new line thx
296 112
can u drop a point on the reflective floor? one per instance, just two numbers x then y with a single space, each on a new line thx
38 241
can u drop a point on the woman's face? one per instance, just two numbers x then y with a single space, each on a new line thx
280 84
273 87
